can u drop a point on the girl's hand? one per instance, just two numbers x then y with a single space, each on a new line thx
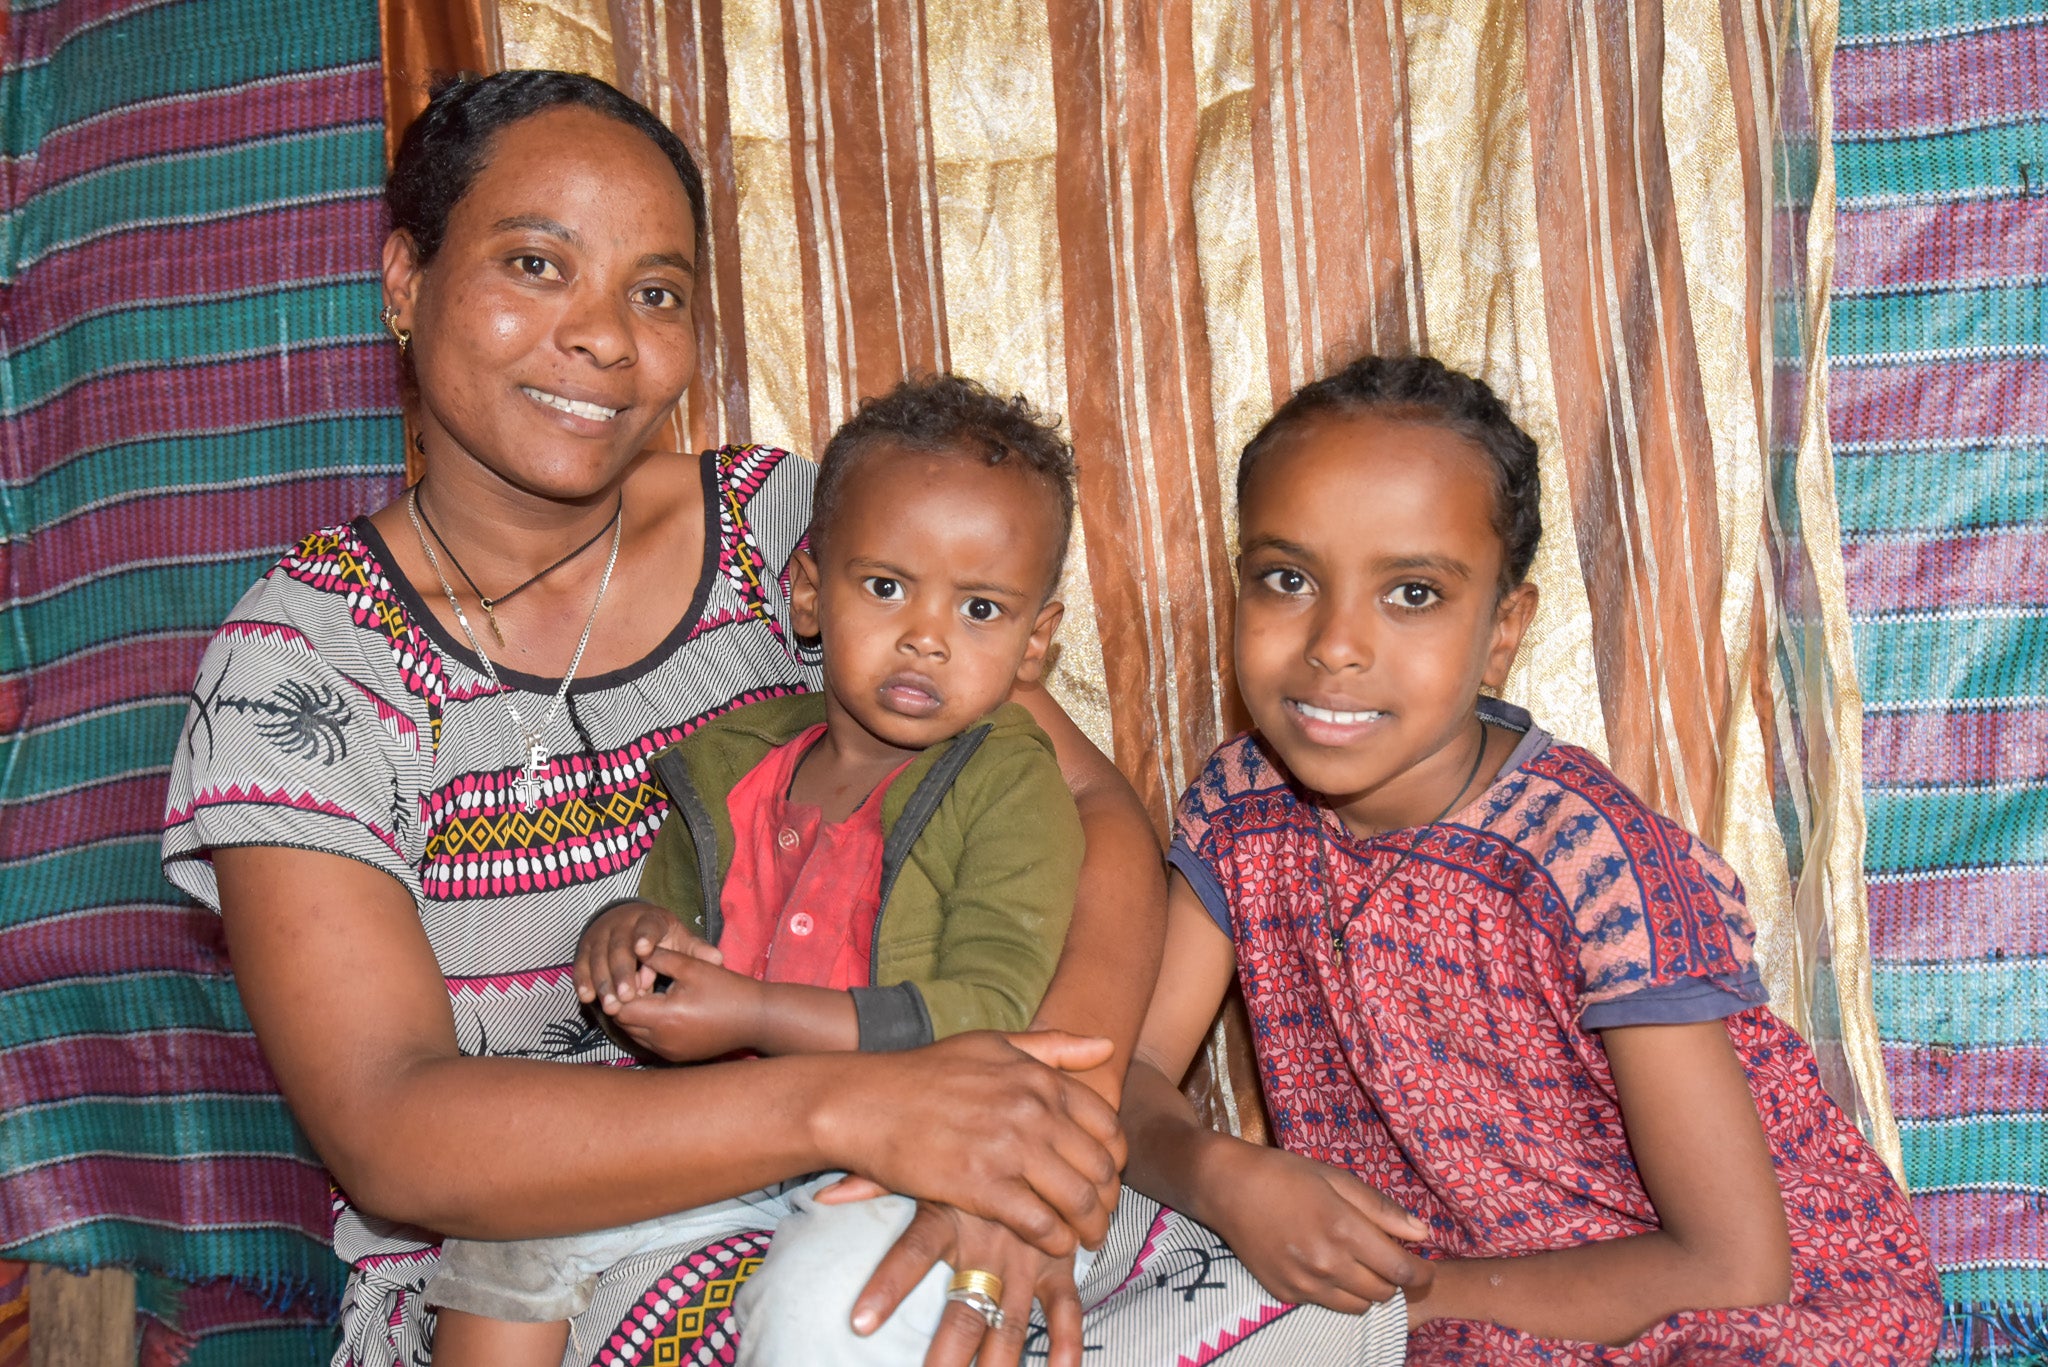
1311 1233
941 1234
707 1012
611 958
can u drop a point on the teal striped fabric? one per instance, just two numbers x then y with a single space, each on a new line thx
1938 410
192 376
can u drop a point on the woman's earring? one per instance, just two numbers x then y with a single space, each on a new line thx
403 336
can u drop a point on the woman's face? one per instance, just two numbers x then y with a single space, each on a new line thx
552 331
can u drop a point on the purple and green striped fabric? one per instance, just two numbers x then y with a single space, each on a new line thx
191 376
1938 409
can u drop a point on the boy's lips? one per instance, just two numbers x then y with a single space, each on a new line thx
910 695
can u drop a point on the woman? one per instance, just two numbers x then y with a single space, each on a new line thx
416 765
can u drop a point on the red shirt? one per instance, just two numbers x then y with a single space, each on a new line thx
803 894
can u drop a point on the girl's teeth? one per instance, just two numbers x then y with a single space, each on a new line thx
580 409
1325 714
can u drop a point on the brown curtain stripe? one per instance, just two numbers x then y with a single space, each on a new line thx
865 203
1138 381
1630 404
1331 162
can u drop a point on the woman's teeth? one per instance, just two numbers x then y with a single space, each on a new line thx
1331 715
592 411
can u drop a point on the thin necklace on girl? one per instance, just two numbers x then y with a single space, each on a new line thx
528 787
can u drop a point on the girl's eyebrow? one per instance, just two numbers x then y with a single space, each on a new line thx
1281 544
1439 564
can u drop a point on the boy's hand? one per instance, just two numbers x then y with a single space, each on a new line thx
707 1012
611 959
1314 1234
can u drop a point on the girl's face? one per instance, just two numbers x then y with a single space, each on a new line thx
1369 612
552 330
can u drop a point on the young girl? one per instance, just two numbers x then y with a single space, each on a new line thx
1484 979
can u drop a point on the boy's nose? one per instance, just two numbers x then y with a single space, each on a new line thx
925 638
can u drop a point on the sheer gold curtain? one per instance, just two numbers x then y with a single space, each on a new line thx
1161 217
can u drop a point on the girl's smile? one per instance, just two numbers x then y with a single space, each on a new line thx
1370 612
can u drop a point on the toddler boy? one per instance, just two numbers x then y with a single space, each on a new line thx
881 864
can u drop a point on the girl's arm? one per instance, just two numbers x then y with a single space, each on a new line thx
354 1018
1700 1150
1306 1230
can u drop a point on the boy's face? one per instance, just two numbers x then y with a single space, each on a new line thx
929 594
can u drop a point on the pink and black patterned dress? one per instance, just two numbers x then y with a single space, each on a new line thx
1450 1055
332 713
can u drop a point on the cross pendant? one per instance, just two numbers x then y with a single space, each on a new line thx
527 789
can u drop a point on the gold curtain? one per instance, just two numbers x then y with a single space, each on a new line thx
1161 216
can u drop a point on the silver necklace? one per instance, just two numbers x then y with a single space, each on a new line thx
1323 879
528 788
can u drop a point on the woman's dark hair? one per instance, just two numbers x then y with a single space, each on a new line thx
448 144
950 413
1425 390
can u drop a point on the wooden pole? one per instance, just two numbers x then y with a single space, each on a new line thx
76 1321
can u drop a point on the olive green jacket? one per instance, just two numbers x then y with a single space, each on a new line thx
981 857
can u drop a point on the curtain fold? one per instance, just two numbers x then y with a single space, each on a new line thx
1161 218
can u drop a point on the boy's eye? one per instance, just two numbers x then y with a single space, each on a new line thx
1414 596
981 610
883 587
536 267
1285 580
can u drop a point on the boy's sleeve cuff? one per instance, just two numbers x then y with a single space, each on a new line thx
892 1018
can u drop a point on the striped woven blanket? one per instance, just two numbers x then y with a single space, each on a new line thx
191 375
1939 414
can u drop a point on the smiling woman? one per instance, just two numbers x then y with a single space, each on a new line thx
405 824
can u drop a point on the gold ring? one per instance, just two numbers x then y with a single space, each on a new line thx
974 1279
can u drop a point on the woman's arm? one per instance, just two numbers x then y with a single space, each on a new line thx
1701 1152
1111 957
353 1015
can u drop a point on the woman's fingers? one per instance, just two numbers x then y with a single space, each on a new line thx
1061 1301
916 1251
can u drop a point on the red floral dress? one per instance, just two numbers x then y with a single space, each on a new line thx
1448 1054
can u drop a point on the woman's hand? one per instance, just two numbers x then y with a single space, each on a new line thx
980 1122
941 1234
1311 1233
611 958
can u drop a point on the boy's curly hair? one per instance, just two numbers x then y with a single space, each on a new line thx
1424 389
949 413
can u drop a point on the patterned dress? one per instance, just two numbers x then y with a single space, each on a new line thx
332 713
1447 1055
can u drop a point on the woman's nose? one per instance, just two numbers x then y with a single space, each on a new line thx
597 325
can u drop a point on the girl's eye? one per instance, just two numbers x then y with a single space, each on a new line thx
536 267
1284 580
1414 596
981 610
883 587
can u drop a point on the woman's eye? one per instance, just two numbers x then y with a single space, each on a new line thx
1284 580
660 297
1414 596
537 267
981 610
883 587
